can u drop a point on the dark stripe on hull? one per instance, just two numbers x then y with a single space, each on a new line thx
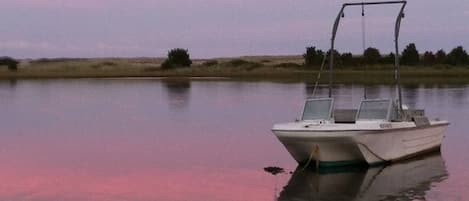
335 164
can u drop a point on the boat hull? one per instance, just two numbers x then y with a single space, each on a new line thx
338 148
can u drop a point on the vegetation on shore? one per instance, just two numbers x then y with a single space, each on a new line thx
410 56
426 68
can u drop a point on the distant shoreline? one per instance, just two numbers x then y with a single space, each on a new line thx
260 68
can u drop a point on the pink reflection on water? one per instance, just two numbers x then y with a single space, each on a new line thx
119 166
31 183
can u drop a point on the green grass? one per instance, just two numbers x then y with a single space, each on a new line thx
260 68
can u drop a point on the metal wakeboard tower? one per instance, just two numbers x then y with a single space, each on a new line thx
396 43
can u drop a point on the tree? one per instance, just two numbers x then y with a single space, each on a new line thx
371 55
458 56
347 59
389 59
313 56
10 62
440 57
428 58
177 57
410 55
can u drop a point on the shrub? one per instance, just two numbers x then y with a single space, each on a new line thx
177 57
347 59
389 59
410 55
371 55
440 57
313 57
428 58
10 62
457 56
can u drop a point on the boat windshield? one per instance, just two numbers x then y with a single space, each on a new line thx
374 110
318 109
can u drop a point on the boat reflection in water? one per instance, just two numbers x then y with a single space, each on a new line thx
408 180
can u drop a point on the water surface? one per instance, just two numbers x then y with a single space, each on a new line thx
152 139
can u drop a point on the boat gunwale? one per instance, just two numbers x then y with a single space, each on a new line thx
365 131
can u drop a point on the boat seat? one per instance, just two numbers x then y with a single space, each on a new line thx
345 116
414 112
421 121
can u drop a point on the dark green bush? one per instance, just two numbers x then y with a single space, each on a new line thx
10 62
440 57
347 59
410 55
389 59
313 57
457 56
428 58
372 56
177 57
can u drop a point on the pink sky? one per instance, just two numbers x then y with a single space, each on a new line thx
215 28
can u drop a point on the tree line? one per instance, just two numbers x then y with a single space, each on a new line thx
372 56
179 57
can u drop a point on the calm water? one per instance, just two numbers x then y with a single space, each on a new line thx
141 140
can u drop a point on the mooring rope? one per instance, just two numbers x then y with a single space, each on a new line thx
315 151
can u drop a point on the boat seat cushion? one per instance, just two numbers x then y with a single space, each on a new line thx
420 121
345 115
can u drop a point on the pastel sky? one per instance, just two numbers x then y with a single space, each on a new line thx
216 28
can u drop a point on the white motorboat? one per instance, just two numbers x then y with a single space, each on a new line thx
376 135
381 130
